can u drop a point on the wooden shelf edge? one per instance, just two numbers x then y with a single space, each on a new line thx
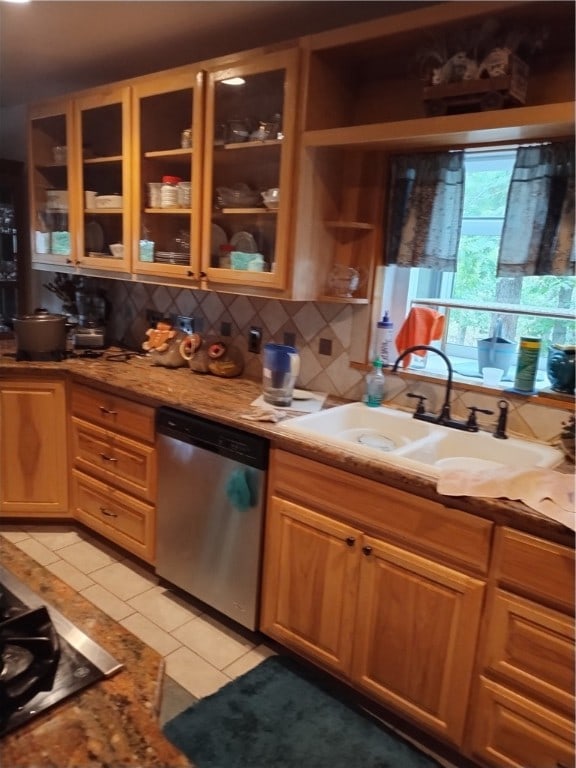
245 210
162 153
349 225
514 124
98 160
341 300
187 211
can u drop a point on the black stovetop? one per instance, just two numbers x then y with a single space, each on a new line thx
44 657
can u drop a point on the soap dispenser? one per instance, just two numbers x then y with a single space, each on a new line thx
374 385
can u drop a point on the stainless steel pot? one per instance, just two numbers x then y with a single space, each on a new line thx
40 336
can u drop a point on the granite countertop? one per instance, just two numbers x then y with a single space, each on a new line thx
228 400
111 723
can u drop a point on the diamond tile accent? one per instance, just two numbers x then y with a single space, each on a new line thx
309 321
274 316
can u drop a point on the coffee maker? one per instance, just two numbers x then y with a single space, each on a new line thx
91 330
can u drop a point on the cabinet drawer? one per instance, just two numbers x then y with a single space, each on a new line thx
113 412
423 524
119 517
532 647
532 566
511 731
124 462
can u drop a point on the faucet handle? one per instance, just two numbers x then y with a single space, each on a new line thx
472 424
420 407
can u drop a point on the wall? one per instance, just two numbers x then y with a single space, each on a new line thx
323 336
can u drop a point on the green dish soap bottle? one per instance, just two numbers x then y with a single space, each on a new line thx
374 385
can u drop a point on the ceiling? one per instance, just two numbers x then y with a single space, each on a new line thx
51 47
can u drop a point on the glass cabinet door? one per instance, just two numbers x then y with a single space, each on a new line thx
52 213
102 160
167 151
250 126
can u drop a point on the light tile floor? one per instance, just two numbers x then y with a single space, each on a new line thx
202 652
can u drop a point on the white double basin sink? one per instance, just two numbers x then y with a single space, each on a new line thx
386 434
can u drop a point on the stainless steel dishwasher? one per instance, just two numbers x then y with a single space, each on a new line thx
211 497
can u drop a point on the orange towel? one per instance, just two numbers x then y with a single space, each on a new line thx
422 326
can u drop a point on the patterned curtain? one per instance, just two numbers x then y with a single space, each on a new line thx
538 232
427 196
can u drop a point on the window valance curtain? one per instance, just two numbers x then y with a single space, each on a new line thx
538 232
427 196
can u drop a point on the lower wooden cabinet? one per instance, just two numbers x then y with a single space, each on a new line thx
398 625
114 468
415 636
311 583
33 447
522 710
119 517
512 731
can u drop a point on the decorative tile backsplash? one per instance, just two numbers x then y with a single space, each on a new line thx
322 333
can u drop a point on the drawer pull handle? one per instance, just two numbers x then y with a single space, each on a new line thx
107 512
107 411
107 458
350 541
367 550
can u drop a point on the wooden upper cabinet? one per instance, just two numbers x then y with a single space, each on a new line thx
364 89
53 216
250 139
167 140
101 162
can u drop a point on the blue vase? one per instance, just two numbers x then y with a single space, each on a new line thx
560 369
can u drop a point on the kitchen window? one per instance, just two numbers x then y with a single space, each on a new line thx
470 296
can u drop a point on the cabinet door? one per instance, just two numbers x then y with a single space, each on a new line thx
511 731
33 448
309 585
416 636
53 214
102 163
250 138
167 141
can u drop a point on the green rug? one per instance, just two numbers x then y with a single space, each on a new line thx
278 716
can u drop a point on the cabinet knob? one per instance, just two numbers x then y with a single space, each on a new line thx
203 274
367 550
350 541
189 273
107 512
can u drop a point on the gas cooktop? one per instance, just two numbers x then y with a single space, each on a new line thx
44 657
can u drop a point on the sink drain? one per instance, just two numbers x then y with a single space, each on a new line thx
372 440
